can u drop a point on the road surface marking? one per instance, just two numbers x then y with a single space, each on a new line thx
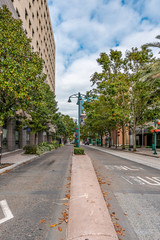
127 180
125 168
6 211
81 196
151 182
157 178
131 169
155 181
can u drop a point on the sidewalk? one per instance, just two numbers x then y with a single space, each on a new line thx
15 158
142 156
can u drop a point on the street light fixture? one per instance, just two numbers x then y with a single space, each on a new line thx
79 97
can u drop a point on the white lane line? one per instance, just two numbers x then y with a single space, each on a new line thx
6 211
127 180
156 178
132 169
150 183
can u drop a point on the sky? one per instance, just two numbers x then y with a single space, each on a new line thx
85 28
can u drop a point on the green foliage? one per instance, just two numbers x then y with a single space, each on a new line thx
127 90
41 148
79 151
30 149
65 126
22 85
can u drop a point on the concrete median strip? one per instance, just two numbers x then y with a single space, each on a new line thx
89 218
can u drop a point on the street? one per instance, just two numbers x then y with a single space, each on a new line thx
132 193
32 198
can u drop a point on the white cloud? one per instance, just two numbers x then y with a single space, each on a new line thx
83 29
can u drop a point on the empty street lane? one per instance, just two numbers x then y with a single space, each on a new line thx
132 193
32 198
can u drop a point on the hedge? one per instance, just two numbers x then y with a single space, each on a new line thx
79 151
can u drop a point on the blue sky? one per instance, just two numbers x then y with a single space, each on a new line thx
85 28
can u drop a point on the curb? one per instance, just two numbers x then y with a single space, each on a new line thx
89 217
140 161
127 151
6 169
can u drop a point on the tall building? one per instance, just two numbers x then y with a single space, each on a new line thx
37 25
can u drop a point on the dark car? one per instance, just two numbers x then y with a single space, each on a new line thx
86 143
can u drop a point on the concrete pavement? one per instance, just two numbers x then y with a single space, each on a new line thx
89 218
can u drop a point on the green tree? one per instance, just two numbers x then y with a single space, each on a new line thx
20 69
126 89
65 126
112 89
142 88
42 109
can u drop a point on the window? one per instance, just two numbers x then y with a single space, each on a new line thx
32 32
37 43
29 5
33 15
30 24
37 14
17 12
26 14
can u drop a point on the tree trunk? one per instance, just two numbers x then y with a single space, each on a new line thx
101 140
109 139
123 144
134 137
1 132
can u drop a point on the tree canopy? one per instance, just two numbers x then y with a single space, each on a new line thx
22 85
127 90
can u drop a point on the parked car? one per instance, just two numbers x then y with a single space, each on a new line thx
86 143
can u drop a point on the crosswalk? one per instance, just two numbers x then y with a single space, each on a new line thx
145 180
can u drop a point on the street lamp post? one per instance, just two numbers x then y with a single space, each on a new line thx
80 97
1 132
129 138
155 136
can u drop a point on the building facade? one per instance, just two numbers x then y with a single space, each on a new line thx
37 25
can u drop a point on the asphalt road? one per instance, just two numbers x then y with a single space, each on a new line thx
132 193
32 198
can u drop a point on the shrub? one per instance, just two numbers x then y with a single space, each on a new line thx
42 147
79 151
30 149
